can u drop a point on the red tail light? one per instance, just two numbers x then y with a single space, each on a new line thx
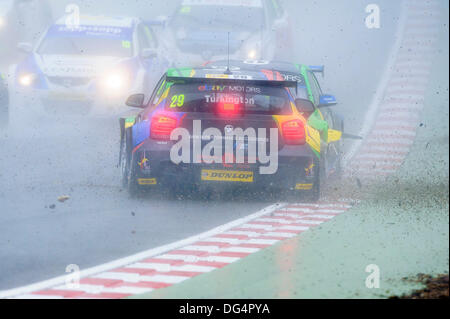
162 126
294 132
229 105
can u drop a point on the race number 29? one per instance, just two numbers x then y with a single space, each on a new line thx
177 101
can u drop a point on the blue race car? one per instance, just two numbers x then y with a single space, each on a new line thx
88 68
242 124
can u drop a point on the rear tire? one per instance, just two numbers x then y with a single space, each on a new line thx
315 193
125 159
339 125
131 179
129 166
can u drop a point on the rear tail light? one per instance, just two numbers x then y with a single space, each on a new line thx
162 126
294 132
229 105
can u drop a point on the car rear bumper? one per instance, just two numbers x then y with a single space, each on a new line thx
293 171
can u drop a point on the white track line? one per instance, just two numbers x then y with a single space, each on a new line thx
137 257
190 251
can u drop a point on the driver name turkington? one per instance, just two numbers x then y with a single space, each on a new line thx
237 142
226 98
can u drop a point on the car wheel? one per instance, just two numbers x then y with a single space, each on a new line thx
315 193
338 124
125 154
312 195
128 165
131 179
333 155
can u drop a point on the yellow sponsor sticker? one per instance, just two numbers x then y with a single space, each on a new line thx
334 136
147 181
227 176
304 187
217 76
309 169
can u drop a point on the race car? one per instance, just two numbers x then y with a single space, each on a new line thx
4 101
222 126
22 21
205 30
308 87
89 68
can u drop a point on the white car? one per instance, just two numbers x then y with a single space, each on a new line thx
89 68
205 30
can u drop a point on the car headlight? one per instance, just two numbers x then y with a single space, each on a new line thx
114 83
27 79
2 22
252 54
252 50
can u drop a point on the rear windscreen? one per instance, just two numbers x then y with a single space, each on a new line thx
240 99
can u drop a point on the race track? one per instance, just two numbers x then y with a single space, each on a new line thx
40 237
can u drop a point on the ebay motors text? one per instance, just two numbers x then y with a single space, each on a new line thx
237 143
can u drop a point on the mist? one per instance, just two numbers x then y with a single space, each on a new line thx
44 157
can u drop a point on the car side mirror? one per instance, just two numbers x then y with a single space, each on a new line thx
25 47
304 105
149 53
136 100
327 100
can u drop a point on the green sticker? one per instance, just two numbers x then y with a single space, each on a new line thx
126 44
185 9
315 121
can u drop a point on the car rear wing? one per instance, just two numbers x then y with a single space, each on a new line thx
229 80
317 69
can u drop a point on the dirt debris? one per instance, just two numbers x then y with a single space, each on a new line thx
63 198
435 288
